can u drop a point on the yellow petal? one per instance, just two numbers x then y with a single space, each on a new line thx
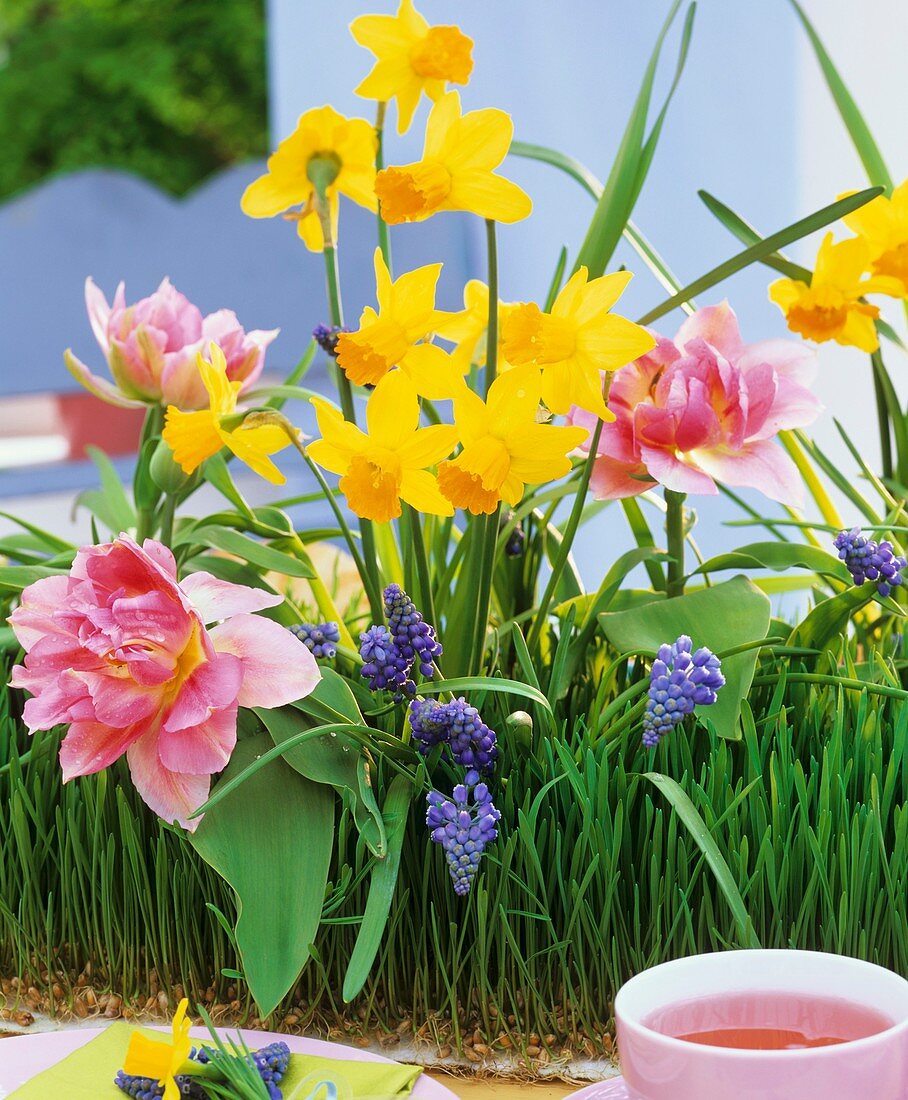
514 398
479 140
381 34
420 490
358 184
192 437
346 437
414 300
428 446
444 115
859 331
328 456
270 195
488 196
148 1057
539 453
222 393
383 284
471 415
408 95
600 295
434 373
250 445
613 341
785 292
392 412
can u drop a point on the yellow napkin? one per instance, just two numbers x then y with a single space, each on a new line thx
89 1072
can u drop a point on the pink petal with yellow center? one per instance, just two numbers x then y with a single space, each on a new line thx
215 599
276 667
171 795
201 749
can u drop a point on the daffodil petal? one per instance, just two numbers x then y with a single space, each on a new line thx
489 196
427 446
192 437
420 490
434 373
270 195
243 443
392 412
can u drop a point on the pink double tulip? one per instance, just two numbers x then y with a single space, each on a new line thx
119 651
703 408
151 348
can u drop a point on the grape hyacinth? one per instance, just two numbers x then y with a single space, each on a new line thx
146 1088
463 825
326 337
680 680
271 1062
319 638
414 638
868 560
472 743
385 668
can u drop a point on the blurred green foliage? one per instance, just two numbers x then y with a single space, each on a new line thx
169 89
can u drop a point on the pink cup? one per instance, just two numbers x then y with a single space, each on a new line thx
658 1067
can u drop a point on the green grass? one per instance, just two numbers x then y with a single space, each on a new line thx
592 879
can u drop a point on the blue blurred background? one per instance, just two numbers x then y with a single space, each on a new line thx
133 168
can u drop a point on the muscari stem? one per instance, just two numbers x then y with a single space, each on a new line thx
674 535
492 330
423 577
384 241
567 540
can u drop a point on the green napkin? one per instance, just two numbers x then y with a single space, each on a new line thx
88 1073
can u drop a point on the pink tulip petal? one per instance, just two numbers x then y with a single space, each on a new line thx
789 358
758 465
214 683
160 554
34 617
277 667
717 325
100 387
794 407
91 746
201 749
181 383
614 480
674 474
171 795
215 599
761 392
118 701
56 703
99 311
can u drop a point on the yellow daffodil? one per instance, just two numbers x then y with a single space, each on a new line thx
883 225
195 436
158 1059
389 464
505 447
830 308
576 341
456 170
412 57
469 328
392 336
325 149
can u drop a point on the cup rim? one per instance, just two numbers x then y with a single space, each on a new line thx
670 1043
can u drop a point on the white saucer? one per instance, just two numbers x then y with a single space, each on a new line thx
613 1089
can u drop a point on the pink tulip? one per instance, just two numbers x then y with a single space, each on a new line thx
119 651
704 408
151 348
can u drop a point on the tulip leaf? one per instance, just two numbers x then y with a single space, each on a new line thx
758 252
117 505
703 838
825 622
778 556
257 553
333 759
858 130
381 888
271 840
722 617
17 577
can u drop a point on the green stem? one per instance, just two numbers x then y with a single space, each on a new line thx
154 419
567 541
423 577
674 535
166 515
492 331
484 602
882 414
384 241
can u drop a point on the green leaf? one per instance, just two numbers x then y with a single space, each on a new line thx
271 840
217 474
17 577
569 165
858 130
722 617
758 252
830 618
746 233
778 556
696 826
485 683
632 162
381 888
333 759
46 538
265 557
117 504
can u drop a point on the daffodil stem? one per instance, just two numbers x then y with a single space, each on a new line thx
882 413
423 578
384 240
674 537
168 504
492 332
484 602
567 541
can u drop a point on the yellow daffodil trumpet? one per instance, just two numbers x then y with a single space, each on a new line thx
159 1059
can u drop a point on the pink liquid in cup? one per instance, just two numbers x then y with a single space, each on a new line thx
768 1020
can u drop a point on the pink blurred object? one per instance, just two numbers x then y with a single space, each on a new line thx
657 1066
119 651
31 1054
151 348
703 408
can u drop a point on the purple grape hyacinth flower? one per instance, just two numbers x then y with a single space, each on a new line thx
459 725
412 635
868 560
384 667
326 337
319 638
463 825
679 681
429 724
